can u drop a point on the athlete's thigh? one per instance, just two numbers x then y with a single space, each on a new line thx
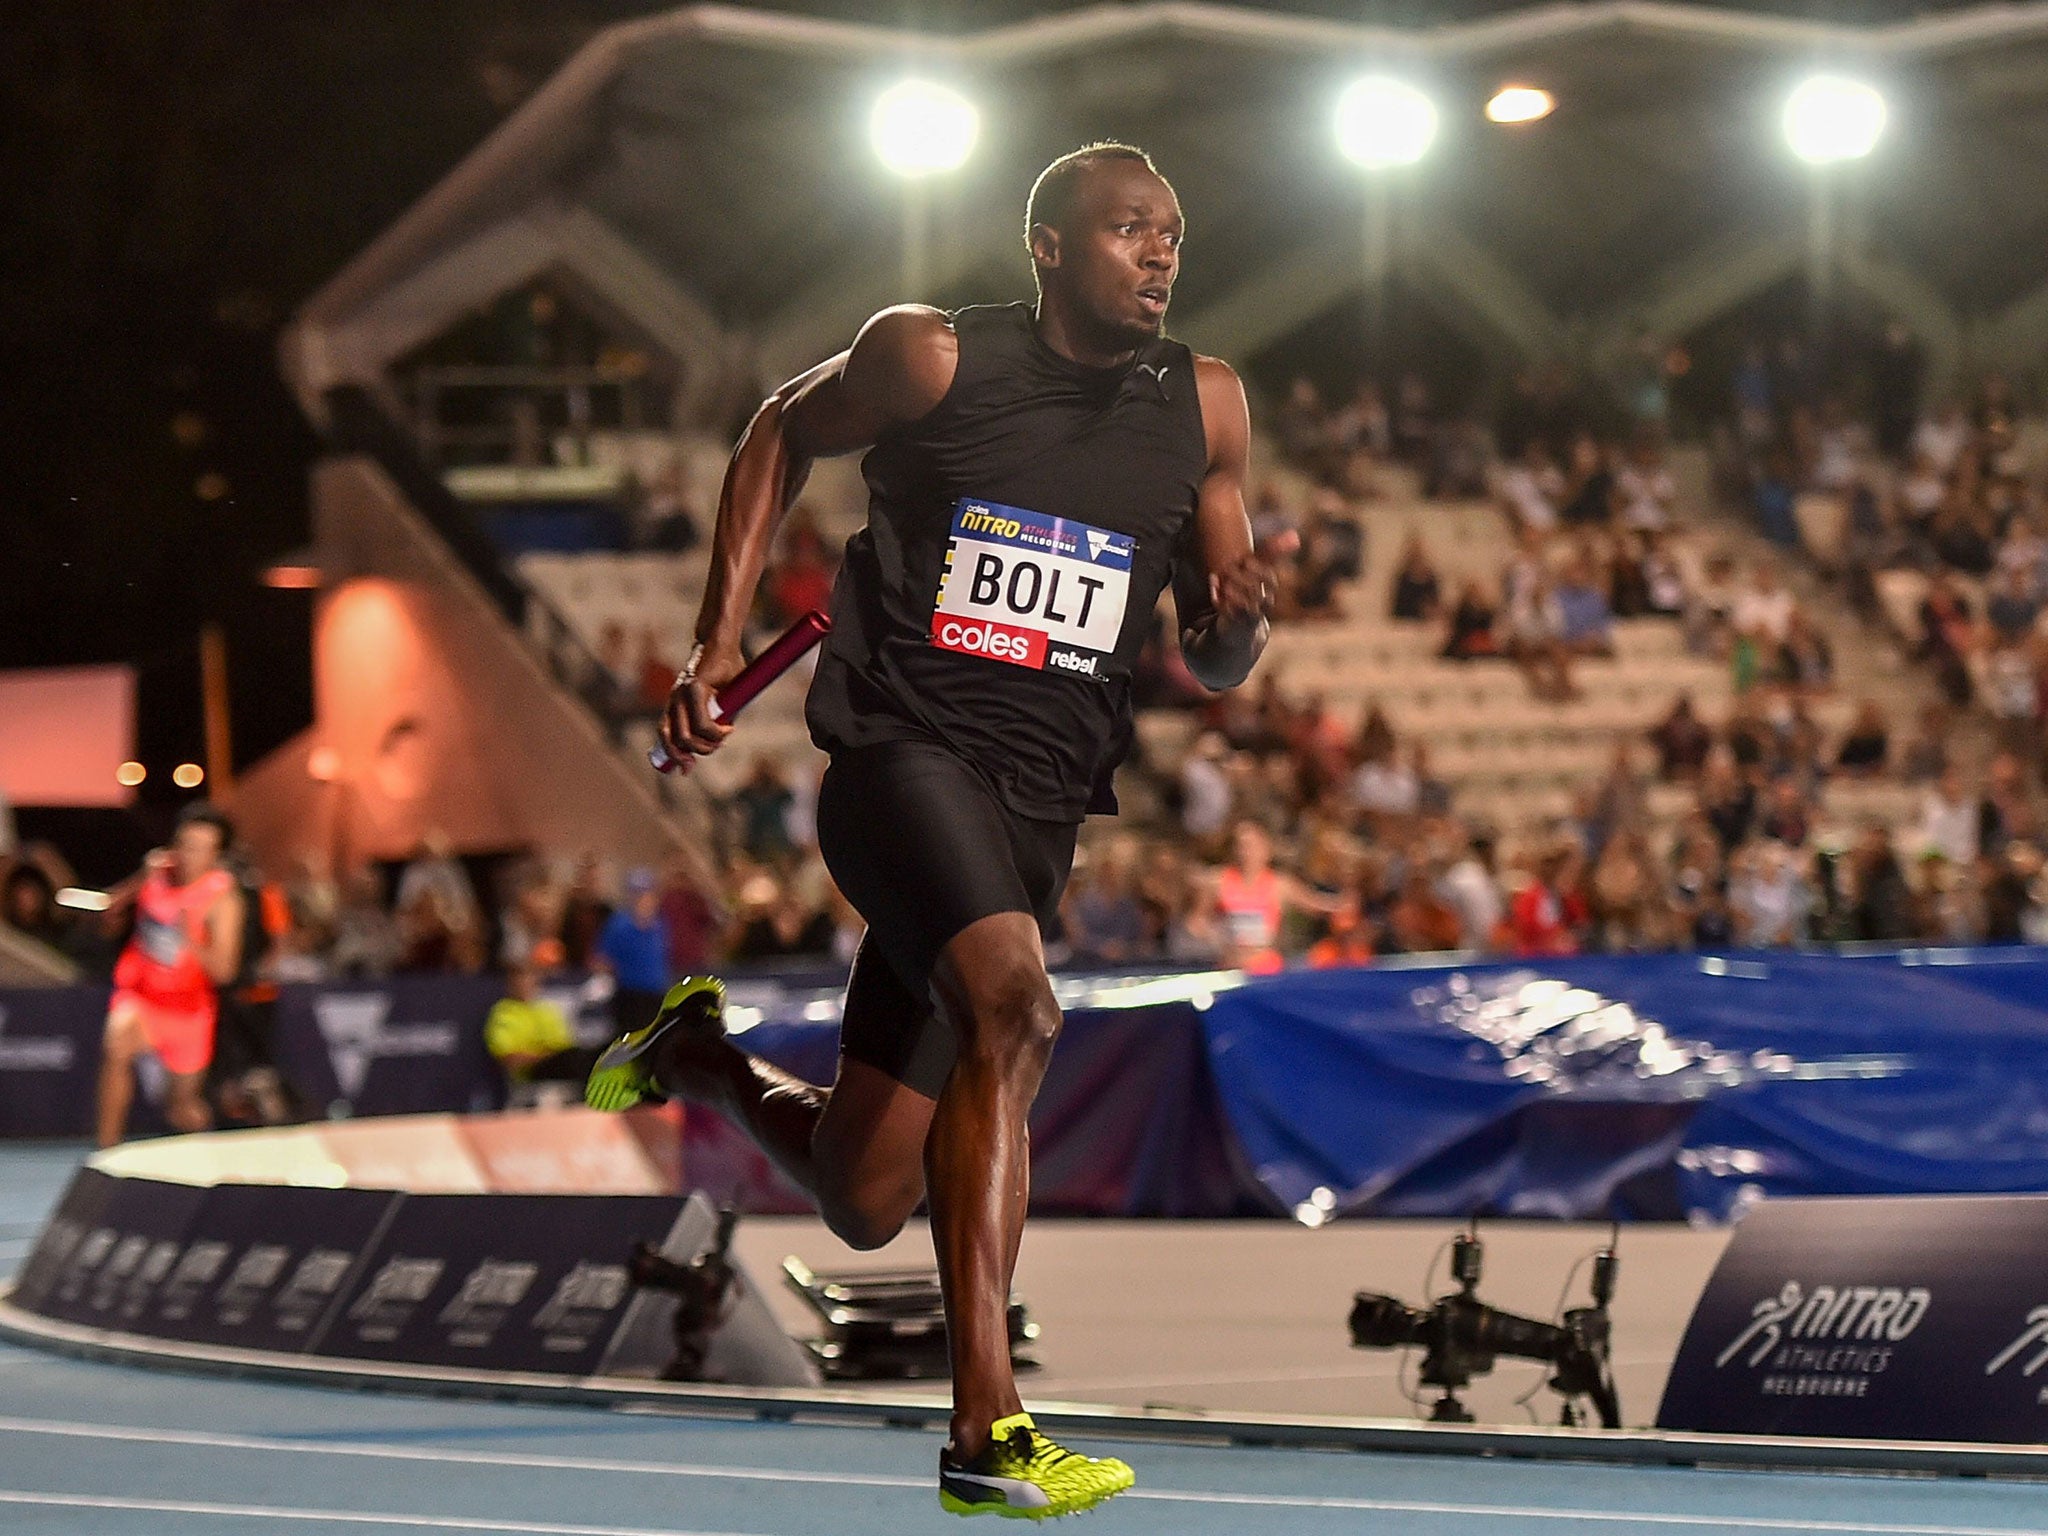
892 1027
124 1034
869 1145
180 1038
918 844
894 1056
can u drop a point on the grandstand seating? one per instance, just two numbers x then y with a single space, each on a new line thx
1515 762
658 594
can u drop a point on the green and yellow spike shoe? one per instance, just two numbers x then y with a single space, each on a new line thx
1021 1475
624 1074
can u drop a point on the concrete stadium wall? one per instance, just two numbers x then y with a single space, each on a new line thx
432 714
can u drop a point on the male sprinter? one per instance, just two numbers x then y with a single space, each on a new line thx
1036 478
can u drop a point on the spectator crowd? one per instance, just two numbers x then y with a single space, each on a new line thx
1935 520
1288 835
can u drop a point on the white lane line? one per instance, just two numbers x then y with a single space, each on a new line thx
340 1516
1065 1386
1586 1516
1371 1372
536 1461
531 1460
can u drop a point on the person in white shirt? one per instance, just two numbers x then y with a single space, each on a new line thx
2025 552
1949 819
1525 586
1922 489
1769 896
1764 610
1385 788
1941 437
1663 577
1205 789
1531 488
1470 888
1534 624
1644 488
1839 450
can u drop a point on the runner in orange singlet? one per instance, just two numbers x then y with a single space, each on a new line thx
188 941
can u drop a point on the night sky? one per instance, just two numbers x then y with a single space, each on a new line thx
177 175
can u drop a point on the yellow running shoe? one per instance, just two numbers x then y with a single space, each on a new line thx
1021 1475
624 1074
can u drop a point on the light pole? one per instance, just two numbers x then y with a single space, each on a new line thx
920 129
1382 124
1829 121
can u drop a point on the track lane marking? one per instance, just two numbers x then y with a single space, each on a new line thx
1586 1516
537 1461
337 1516
531 1460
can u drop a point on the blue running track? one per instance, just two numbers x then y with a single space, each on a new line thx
101 1450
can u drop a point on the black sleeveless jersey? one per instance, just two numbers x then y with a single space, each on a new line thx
1018 539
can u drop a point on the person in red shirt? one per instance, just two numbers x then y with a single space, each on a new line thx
802 579
187 944
1349 940
1544 917
656 672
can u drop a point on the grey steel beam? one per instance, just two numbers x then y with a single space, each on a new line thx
1913 300
357 348
2015 336
1286 292
322 350
967 233
1445 258
666 311
1696 289
1474 286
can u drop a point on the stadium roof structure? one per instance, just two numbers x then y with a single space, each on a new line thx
706 172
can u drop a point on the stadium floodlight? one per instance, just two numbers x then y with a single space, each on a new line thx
1829 118
1520 104
1384 122
920 128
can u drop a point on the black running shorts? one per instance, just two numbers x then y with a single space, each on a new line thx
921 846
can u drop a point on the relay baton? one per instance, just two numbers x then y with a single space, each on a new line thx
756 675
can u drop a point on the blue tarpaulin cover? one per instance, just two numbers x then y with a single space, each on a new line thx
1650 1086
1660 1085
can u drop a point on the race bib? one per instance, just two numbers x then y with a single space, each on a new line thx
165 943
1032 590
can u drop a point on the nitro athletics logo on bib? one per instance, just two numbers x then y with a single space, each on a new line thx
1032 590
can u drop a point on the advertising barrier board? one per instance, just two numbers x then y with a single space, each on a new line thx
263 1265
502 1282
1908 1318
126 1251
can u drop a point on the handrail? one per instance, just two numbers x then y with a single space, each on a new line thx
524 375
360 425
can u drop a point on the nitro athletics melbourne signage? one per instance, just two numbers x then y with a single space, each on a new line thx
1919 1318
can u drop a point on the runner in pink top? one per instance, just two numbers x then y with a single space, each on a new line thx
187 942
1252 899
